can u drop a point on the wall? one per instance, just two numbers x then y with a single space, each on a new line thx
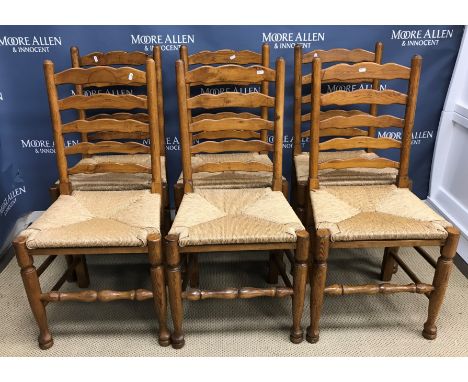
449 177
27 163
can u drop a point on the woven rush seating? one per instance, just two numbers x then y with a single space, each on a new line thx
109 181
97 219
233 216
348 176
375 213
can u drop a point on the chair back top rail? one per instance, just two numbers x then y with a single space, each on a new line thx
225 56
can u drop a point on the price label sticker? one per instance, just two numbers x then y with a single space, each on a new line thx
95 59
261 71
362 70
130 76
232 57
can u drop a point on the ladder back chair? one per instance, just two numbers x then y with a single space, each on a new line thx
111 181
386 216
302 82
219 220
233 178
98 222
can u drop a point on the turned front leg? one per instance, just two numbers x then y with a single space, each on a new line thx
174 280
440 282
301 260
318 275
155 257
33 291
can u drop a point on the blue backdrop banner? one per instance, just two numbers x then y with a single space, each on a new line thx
27 161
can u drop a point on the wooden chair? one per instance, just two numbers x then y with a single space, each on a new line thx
98 222
302 82
384 216
219 220
111 181
231 179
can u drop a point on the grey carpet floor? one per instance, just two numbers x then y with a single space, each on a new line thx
383 325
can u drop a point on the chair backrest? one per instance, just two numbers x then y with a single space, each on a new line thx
356 72
300 80
115 59
100 76
226 57
245 137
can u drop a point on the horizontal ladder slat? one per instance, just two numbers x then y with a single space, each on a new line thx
102 295
341 132
116 57
235 74
223 56
362 120
359 142
86 126
384 288
108 167
99 75
231 124
339 55
107 147
233 166
333 113
307 79
103 101
230 99
223 115
379 97
227 134
369 70
233 293
111 136
359 163
231 145
142 117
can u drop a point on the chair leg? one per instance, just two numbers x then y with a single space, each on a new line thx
71 275
318 275
155 257
81 270
33 291
272 277
174 281
178 195
388 264
440 282
194 272
301 260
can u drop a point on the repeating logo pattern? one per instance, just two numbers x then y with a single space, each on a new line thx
31 44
